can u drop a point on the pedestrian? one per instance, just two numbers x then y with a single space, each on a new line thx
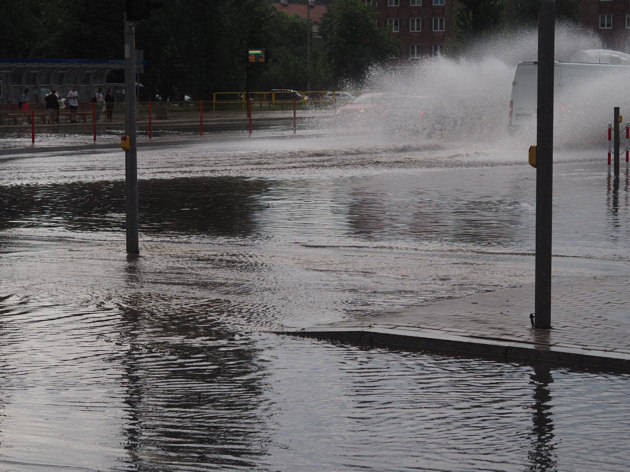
52 105
100 103
23 100
73 103
109 104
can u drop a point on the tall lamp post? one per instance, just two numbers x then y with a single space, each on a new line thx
309 4
544 162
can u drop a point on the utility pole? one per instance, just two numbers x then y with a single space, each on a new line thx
544 162
309 4
131 155
135 10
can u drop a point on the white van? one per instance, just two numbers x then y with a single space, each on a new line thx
585 95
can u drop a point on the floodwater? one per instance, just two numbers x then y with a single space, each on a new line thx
165 362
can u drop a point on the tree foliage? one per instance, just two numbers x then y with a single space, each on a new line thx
354 41
477 17
525 12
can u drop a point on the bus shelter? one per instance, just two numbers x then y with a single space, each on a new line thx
41 75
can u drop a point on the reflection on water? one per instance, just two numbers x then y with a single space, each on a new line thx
184 205
161 362
542 455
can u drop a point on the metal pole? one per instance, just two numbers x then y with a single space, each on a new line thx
544 163
616 140
131 157
308 43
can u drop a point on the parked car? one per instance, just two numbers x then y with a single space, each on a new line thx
288 95
366 109
339 97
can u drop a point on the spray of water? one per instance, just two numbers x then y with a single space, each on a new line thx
467 98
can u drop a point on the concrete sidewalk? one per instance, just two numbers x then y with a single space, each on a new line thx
590 326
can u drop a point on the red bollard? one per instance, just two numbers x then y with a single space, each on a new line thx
628 145
249 109
609 143
201 118
150 123
33 126
94 120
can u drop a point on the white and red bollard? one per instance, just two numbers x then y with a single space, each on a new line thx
609 143
628 144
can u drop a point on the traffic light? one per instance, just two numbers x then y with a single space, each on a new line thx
141 9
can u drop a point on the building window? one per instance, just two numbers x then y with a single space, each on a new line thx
605 21
394 23
415 3
415 51
627 21
437 49
438 24
393 3
439 2
415 25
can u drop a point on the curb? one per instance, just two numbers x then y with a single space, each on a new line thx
422 340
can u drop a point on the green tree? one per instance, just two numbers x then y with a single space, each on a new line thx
82 29
20 28
477 17
353 40
199 47
525 12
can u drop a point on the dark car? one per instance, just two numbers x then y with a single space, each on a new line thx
366 109
288 95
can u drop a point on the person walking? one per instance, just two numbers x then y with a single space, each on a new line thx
73 103
109 104
52 105
100 103
23 100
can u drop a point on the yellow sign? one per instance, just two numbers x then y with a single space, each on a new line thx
125 143
532 156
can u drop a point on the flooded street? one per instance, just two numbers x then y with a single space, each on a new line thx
166 361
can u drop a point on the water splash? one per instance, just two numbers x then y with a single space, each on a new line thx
467 98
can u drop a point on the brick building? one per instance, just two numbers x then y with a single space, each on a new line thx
611 19
423 26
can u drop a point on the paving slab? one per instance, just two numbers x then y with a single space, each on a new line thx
590 320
